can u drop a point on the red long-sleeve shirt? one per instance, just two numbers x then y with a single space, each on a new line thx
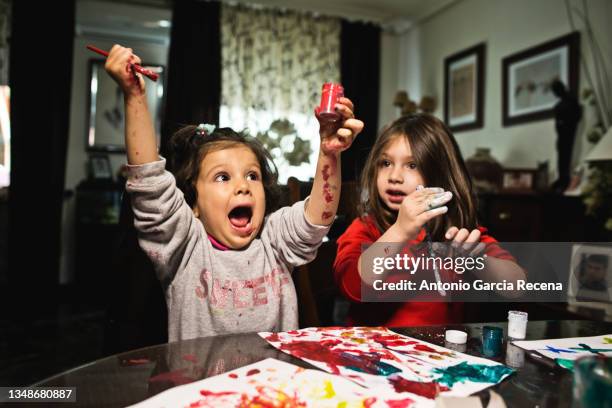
412 313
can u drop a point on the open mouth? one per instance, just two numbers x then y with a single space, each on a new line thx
240 219
396 196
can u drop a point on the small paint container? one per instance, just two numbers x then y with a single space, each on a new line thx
492 339
517 324
329 97
456 336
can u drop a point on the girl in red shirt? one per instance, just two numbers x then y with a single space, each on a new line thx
415 151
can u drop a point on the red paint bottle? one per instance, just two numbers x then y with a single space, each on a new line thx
329 97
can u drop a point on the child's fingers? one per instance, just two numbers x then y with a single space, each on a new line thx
424 217
470 242
474 236
424 193
344 132
450 234
479 249
345 111
355 125
347 102
136 59
435 200
460 237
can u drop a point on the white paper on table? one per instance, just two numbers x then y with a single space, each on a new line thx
569 348
271 382
402 352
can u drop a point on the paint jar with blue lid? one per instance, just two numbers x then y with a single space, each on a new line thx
492 340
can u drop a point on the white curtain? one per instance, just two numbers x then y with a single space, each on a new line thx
273 66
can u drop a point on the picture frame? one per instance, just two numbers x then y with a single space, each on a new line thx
100 167
590 276
519 180
464 76
528 74
105 113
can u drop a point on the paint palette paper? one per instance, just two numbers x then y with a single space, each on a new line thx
569 348
380 359
273 383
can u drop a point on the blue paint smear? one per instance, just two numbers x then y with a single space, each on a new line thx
465 372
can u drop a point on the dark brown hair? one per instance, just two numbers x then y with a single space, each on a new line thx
187 149
439 161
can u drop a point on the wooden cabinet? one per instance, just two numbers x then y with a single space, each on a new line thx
537 217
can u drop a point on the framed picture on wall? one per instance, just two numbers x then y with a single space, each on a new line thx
106 116
528 75
591 274
464 76
100 167
519 180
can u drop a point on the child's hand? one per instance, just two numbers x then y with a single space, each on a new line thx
337 136
119 67
463 242
419 207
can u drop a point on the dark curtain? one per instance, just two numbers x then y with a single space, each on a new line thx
40 75
360 69
194 66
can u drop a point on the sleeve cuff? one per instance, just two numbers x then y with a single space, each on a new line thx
318 231
147 173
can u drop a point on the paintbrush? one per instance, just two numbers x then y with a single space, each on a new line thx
535 356
146 72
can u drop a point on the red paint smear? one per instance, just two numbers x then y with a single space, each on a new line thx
329 197
325 172
321 351
176 377
137 361
404 403
233 375
399 343
273 337
368 402
326 215
191 358
206 393
273 398
384 354
424 389
253 372
423 347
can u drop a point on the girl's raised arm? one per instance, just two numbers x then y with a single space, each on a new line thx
335 138
140 142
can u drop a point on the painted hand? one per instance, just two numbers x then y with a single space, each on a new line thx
119 66
337 136
421 206
464 242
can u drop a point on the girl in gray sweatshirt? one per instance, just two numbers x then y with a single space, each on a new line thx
223 258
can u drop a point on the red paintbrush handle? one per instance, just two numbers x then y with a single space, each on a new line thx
146 72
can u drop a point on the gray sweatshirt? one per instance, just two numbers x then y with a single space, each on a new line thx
211 291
